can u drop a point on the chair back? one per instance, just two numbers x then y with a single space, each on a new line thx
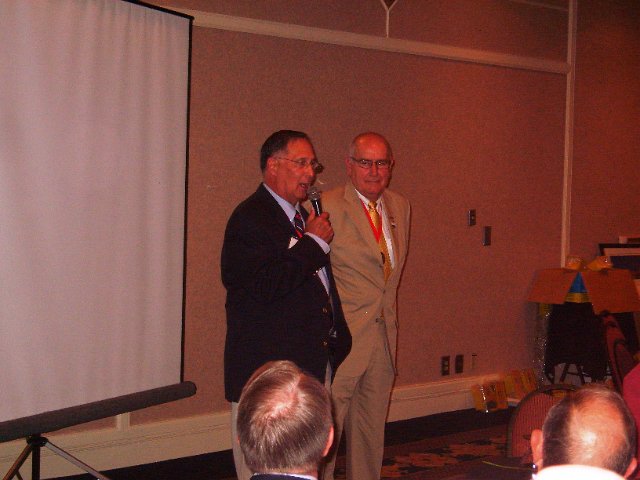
623 359
621 362
631 395
529 415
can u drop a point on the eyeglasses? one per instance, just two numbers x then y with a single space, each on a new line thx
383 164
303 163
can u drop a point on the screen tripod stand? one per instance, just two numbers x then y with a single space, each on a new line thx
34 445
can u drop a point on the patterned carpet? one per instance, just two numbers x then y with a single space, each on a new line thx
456 456
406 460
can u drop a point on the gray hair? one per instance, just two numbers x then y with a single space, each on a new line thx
284 419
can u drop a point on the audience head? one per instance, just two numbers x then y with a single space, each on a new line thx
591 426
284 420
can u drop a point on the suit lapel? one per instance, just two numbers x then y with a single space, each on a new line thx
395 220
284 223
327 268
395 217
360 218
304 213
277 213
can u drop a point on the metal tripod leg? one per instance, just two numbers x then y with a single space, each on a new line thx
70 458
15 468
34 444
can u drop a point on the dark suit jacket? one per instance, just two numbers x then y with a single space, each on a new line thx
277 307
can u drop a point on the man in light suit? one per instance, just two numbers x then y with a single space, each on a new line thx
282 302
285 426
371 234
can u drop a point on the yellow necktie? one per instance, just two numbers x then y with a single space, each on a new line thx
382 243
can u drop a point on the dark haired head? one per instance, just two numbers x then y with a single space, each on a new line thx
277 142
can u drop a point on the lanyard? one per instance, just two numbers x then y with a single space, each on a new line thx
376 231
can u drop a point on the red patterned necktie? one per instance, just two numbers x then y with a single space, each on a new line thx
297 223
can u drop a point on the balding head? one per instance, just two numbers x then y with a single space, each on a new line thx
363 139
591 426
369 164
284 420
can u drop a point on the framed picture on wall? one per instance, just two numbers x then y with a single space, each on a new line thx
623 255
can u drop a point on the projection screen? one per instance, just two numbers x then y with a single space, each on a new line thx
93 150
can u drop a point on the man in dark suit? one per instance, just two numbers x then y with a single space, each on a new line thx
285 427
282 302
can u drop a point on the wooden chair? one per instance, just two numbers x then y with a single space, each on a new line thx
529 415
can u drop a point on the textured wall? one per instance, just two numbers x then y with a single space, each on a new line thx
606 177
465 136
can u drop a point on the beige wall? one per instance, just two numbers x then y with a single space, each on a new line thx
467 131
606 177
466 135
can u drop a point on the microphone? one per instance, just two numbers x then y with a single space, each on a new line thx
314 197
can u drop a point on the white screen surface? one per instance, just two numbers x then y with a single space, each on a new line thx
93 135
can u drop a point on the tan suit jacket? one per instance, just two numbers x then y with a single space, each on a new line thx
358 270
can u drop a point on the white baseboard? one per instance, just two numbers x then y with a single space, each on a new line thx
414 401
127 445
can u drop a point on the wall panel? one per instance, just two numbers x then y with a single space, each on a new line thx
359 16
528 29
607 148
464 135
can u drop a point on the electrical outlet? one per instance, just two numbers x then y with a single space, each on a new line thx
445 366
459 367
474 361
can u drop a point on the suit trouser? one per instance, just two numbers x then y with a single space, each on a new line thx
360 410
